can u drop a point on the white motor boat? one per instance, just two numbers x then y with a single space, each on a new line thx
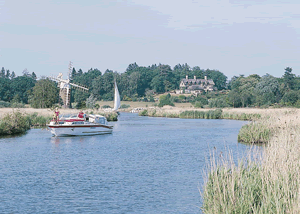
72 125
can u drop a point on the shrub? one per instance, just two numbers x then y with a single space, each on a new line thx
125 106
218 103
4 104
18 105
106 106
14 123
143 113
35 120
110 116
165 100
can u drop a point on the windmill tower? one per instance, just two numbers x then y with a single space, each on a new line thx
65 87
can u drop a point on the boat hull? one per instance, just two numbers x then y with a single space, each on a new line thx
57 130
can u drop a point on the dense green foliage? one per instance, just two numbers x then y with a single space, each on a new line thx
165 100
44 94
254 133
139 83
211 114
14 123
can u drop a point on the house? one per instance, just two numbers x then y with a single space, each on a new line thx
195 86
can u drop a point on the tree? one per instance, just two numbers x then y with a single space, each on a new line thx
289 78
157 84
165 100
22 85
91 101
131 67
290 97
25 72
74 73
7 76
80 98
2 73
13 75
44 94
267 90
234 98
33 76
218 77
6 93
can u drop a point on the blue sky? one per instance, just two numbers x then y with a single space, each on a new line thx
233 36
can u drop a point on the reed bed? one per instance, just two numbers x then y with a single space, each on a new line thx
267 182
14 123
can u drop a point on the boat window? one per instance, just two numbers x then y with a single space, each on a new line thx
78 122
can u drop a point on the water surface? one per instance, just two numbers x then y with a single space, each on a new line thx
148 165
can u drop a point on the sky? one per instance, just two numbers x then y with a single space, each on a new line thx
236 37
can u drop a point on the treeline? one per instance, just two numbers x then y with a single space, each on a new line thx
139 83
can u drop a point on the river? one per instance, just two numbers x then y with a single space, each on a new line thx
148 165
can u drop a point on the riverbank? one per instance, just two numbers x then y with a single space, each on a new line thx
268 182
18 121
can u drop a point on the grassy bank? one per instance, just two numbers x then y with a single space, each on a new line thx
196 114
16 122
266 183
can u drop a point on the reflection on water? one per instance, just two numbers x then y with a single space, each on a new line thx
147 165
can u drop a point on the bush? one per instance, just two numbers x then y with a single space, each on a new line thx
18 105
14 123
35 120
165 100
218 103
4 104
110 116
290 98
143 113
97 106
125 106
198 104
106 106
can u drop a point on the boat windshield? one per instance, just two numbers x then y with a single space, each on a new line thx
100 120
67 116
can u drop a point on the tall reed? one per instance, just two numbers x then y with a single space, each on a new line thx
267 183
14 123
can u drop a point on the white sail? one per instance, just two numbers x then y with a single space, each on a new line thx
117 101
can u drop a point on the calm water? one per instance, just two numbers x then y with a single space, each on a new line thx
148 165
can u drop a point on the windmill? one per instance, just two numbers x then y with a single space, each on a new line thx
65 86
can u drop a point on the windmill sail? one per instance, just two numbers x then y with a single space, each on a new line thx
65 87
117 101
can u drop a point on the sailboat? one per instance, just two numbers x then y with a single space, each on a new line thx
117 100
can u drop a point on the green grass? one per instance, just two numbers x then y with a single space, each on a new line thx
250 188
254 133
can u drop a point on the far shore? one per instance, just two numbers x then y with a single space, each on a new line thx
178 108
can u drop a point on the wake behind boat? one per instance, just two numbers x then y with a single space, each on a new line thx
74 125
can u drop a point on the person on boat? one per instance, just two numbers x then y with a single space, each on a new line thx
56 115
81 114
